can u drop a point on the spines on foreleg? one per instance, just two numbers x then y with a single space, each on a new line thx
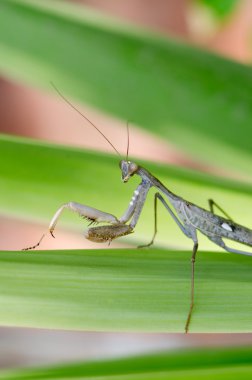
92 215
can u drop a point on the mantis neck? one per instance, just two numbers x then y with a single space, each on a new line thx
147 177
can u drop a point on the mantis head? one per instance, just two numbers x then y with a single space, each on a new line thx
128 169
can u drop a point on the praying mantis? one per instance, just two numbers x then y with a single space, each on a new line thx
189 217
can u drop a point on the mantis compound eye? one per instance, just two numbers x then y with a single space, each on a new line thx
132 168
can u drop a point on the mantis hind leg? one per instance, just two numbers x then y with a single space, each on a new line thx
190 232
218 240
188 320
212 203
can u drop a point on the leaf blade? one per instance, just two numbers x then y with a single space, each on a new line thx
203 106
195 364
124 290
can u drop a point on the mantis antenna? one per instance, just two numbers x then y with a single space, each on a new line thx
80 113
127 154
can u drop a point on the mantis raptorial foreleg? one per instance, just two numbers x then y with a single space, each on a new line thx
104 234
97 234
212 203
89 213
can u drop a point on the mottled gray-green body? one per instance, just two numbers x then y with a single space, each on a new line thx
213 226
192 218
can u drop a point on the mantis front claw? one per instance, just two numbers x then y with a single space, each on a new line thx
96 234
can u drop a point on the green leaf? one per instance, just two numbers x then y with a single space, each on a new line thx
197 100
221 8
198 364
125 290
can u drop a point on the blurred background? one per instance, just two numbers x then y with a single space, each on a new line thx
222 27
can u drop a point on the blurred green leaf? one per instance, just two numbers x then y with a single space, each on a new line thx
220 8
199 101
196 364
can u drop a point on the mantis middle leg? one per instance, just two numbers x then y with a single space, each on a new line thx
183 229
